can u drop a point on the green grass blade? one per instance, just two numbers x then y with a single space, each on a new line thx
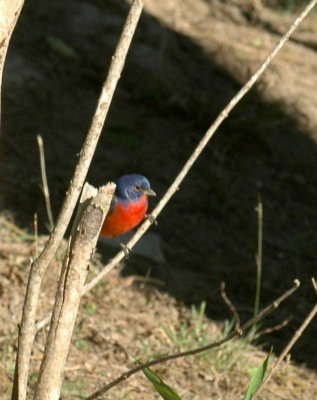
257 377
166 392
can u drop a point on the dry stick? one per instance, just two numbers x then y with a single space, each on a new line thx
271 329
72 279
291 343
237 332
202 144
230 305
314 283
38 266
45 188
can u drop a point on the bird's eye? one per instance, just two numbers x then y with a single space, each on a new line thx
137 188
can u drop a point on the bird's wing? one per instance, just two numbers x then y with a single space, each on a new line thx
113 204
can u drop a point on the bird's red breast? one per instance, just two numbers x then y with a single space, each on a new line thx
125 216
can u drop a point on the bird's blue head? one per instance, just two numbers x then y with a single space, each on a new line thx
133 187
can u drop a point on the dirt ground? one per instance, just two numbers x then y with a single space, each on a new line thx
187 60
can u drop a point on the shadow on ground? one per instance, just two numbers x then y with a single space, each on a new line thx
169 94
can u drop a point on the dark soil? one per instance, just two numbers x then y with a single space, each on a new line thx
187 60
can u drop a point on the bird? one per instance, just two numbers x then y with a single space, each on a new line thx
128 206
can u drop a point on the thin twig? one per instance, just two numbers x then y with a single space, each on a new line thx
290 344
313 281
200 147
40 324
198 350
38 266
202 144
230 305
271 329
45 188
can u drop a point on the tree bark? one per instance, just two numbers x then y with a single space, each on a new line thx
69 291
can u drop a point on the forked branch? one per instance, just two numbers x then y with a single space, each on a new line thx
291 343
202 144
235 333
39 265
73 275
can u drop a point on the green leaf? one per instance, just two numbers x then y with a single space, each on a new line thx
164 390
257 377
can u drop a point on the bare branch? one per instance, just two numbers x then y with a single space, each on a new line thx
230 305
38 267
200 147
45 188
271 329
273 306
72 279
290 344
313 281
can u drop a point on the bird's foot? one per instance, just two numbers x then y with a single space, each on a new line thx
124 248
151 219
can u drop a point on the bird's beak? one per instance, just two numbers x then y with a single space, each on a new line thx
148 192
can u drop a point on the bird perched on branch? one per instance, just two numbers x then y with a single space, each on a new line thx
128 207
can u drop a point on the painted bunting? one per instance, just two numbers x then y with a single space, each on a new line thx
129 205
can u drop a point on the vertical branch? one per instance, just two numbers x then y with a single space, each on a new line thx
38 266
68 293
